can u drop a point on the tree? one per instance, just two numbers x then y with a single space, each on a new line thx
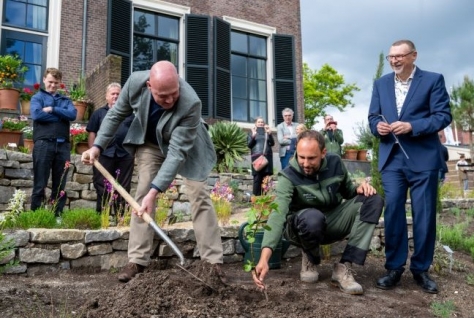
323 88
374 171
462 107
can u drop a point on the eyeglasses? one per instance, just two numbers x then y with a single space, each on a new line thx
397 57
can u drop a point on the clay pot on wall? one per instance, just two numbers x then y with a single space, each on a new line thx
9 99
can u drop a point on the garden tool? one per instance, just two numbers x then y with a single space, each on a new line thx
136 207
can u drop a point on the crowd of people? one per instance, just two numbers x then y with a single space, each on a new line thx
155 122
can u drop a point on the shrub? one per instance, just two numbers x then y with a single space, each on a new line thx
230 143
81 218
7 246
41 218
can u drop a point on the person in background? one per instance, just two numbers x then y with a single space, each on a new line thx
167 137
52 114
332 135
285 132
462 171
408 108
115 159
299 129
256 140
318 205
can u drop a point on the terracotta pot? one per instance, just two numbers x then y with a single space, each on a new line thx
9 99
362 155
351 154
81 109
7 136
28 143
81 147
25 107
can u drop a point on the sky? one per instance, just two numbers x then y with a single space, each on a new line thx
349 35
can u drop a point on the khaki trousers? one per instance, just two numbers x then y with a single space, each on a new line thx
149 159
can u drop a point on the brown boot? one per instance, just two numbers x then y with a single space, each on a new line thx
308 270
217 270
130 271
342 277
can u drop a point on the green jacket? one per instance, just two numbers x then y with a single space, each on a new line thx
334 142
296 191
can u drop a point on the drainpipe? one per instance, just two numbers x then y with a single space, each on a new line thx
84 35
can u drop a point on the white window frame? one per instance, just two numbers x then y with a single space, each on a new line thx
266 31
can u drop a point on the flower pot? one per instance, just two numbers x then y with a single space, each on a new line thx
81 109
7 136
9 99
28 143
278 252
351 154
362 155
81 147
25 107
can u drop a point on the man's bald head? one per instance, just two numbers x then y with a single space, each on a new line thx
164 84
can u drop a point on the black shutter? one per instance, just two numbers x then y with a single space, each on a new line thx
119 33
198 59
285 84
222 90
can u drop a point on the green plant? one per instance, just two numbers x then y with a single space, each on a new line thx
14 208
230 143
7 247
78 91
40 218
443 309
12 71
14 124
26 94
470 279
222 196
27 132
81 218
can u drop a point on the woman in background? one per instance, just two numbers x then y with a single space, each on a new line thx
256 142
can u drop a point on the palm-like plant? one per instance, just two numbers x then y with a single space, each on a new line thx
230 143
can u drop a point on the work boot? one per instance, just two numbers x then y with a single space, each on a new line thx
130 271
217 270
342 277
308 270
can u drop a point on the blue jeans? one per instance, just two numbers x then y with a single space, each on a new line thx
50 156
284 160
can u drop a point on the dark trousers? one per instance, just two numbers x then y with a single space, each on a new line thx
397 178
122 169
50 157
257 181
284 160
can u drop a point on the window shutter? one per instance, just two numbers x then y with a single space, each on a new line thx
285 84
222 90
119 33
198 59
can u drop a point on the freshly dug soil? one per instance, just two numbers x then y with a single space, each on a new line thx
172 292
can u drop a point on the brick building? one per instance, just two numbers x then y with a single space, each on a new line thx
243 57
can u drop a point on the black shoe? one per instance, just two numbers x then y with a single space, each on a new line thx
426 283
390 280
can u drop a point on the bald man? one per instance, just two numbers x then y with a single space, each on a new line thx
167 137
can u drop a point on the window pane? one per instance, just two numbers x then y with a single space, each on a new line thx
33 75
36 17
257 69
15 13
143 22
43 3
167 51
142 53
258 109
258 46
238 65
239 42
32 53
257 90
168 27
15 47
239 110
239 87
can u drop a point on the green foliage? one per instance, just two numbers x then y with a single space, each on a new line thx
462 107
14 124
81 218
365 138
443 309
453 236
448 190
15 207
7 246
322 88
40 218
78 91
12 71
230 143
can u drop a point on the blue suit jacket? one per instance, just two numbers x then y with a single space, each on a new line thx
426 108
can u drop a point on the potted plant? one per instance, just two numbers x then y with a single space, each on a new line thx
25 98
362 152
78 95
350 151
28 138
12 73
10 130
79 137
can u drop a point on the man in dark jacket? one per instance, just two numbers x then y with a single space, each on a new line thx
309 194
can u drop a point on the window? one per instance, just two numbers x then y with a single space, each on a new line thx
249 80
155 38
28 14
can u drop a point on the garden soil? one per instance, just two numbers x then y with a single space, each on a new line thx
165 290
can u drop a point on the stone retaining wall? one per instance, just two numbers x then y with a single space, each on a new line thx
43 250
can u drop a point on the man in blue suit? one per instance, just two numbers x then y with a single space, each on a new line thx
408 109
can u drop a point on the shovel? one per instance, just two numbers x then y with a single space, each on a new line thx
136 207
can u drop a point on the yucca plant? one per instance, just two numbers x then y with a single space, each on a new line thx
230 143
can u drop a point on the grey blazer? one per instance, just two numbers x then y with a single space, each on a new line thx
283 130
181 132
